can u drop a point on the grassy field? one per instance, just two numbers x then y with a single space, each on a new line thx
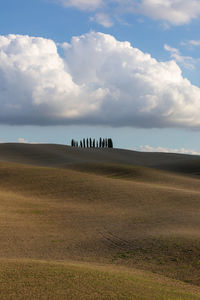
98 230
54 280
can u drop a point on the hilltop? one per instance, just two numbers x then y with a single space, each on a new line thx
61 156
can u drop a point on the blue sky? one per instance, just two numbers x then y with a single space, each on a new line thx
145 94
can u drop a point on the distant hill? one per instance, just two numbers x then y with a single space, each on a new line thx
54 155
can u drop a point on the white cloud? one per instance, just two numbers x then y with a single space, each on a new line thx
100 6
194 42
191 43
82 4
175 12
186 61
99 81
148 148
35 84
102 19
22 140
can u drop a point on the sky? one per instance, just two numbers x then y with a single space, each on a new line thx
125 69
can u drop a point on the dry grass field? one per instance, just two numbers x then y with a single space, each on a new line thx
86 224
28 279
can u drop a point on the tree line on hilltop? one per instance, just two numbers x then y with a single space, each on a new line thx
92 143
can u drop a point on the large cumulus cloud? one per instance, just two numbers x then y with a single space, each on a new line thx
98 81
35 86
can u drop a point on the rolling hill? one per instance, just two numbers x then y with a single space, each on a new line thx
98 224
54 155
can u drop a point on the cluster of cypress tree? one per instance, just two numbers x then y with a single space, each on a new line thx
92 143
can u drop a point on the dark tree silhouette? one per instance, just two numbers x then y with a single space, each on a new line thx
106 143
110 143
103 143
93 144
100 142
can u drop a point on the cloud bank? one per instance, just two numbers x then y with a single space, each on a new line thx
99 81
148 148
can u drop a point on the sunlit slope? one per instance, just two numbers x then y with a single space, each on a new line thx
64 156
27 279
116 214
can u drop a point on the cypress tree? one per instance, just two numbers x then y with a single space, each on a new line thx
106 143
90 143
87 142
73 143
110 143
93 143
81 144
100 142
84 143
97 145
103 143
